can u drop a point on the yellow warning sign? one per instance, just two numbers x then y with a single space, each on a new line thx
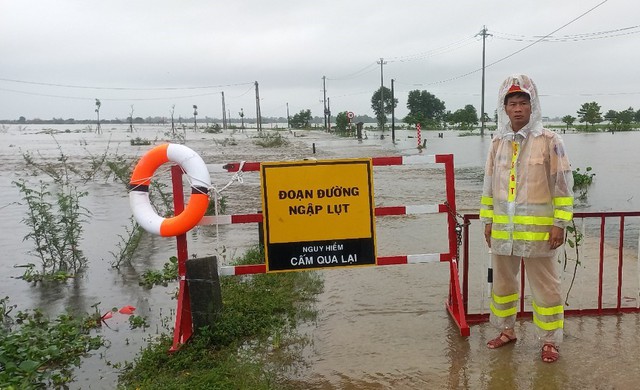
318 214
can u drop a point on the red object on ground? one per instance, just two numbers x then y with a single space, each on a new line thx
127 309
107 315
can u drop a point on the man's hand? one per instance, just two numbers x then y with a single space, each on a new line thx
556 237
487 233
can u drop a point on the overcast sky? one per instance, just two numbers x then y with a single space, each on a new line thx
57 57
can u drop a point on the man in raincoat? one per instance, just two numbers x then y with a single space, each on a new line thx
527 202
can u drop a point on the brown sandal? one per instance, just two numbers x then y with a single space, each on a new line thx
500 342
550 353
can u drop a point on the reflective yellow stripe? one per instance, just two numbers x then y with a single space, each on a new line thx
548 311
531 236
500 234
561 214
484 213
553 325
500 218
505 299
511 196
524 220
522 236
532 220
486 200
503 313
563 201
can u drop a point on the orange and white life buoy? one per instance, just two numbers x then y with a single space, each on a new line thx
193 166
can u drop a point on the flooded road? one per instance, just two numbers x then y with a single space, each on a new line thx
379 327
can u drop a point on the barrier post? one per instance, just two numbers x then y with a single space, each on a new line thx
455 303
183 327
205 292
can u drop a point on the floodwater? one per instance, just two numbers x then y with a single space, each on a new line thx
378 327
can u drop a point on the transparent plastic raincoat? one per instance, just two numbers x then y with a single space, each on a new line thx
527 190
528 183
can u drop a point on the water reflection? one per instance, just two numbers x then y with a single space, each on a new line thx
457 352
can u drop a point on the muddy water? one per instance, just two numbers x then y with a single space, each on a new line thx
378 328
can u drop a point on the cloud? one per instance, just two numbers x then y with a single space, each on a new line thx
288 46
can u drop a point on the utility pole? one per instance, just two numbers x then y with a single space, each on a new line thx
288 126
328 115
393 114
484 35
224 114
195 117
258 114
382 63
324 101
98 128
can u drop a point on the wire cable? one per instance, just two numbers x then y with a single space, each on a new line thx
120 88
570 38
519 50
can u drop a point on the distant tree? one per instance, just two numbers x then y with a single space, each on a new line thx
612 117
426 109
590 114
568 120
465 118
130 119
22 119
301 120
342 122
626 118
636 117
387 105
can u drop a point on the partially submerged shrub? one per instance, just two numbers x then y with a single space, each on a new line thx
271 140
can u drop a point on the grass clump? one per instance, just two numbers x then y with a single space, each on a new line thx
252 343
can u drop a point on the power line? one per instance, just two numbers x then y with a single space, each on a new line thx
571 38
519 50
408 58
121 88
109 99
434 52
370 67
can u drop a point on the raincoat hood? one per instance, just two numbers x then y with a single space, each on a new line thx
526 85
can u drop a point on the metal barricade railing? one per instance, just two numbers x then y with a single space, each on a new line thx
183 325
600 308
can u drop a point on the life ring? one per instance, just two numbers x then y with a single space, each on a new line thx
193 166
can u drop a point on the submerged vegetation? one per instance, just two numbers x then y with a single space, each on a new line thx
55 219
582 182
169 273
37 352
